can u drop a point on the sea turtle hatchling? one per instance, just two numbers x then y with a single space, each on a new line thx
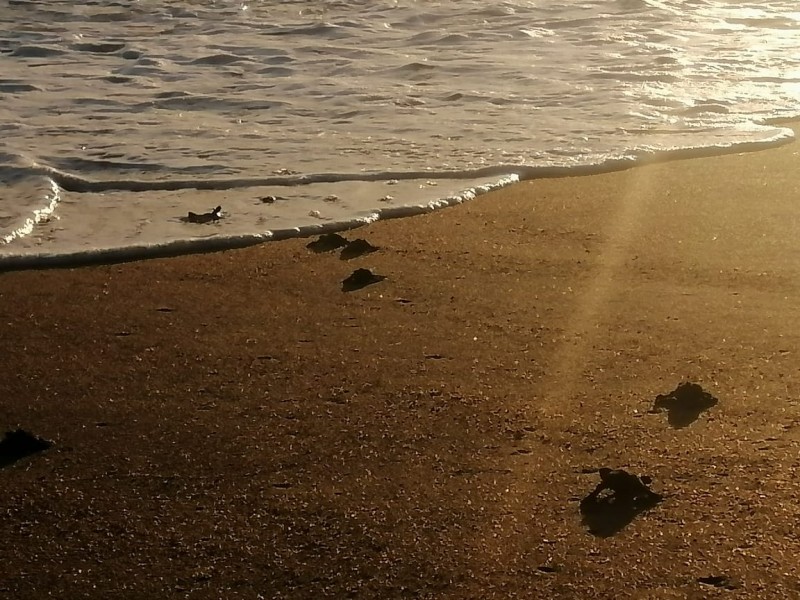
624 486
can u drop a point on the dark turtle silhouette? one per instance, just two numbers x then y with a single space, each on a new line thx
629 497
19 444
356 248
684 404
214 214
360 278
327 243
624 486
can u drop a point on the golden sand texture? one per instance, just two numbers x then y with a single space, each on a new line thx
234 425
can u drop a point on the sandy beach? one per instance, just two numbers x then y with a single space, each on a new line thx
234 425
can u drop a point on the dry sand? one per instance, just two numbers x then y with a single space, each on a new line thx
233 425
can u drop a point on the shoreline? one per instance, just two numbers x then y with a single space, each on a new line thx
210 189
234 425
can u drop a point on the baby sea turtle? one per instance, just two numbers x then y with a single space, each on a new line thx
360 278
327 242
624 486
356 248
684 404
214 214
19 444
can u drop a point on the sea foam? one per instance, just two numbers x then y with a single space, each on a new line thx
113 134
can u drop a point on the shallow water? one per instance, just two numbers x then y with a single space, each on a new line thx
114 112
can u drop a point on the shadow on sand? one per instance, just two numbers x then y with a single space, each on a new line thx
607 516
684 404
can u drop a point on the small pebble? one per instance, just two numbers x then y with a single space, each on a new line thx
387 199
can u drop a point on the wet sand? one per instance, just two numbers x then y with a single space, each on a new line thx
234 425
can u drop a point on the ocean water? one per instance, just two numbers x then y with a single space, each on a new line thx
118 118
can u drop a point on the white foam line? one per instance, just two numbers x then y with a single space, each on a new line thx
10 262
512 174
39 215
